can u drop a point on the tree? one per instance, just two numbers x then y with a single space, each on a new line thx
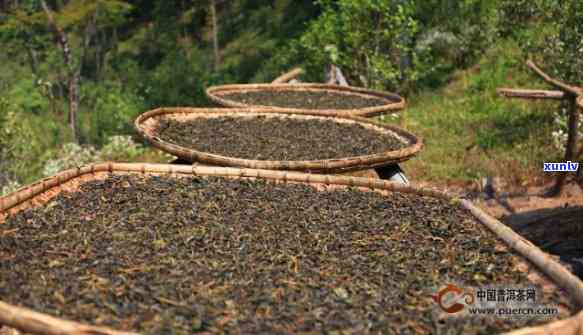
72 71
215 28
22 28
4 151
28 25
80 15
551 32
563 47
368 39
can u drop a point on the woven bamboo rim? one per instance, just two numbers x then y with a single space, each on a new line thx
146 125
42 191
394 102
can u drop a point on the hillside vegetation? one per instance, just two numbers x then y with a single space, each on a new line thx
59 109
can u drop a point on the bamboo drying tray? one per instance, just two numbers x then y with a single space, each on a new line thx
394 103
146 126
36 194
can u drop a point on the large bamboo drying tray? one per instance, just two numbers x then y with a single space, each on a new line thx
146 126
36 194
394 103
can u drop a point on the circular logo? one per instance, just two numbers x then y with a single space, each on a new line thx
458 294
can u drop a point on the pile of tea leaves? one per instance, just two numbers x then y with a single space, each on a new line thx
276 138
304 99
192 254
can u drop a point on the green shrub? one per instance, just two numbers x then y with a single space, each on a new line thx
27 140
179 80
120 148
108 110
398 45
549 31
27 95
369 40
72 155
452 36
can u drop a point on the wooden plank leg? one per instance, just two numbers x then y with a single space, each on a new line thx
181 161
392 173
571 146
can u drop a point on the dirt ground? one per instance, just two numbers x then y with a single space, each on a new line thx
554 224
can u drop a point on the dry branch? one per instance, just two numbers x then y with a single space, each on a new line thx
32 322
530 94
284 78
556 83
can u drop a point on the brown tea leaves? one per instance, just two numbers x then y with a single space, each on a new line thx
188 255
279 138
304 99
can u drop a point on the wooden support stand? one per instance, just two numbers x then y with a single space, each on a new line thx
573 96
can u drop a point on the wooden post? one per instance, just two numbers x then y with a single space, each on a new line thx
571 143
579 104
573 124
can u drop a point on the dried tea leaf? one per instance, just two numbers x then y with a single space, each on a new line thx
280 138
304 99
188 255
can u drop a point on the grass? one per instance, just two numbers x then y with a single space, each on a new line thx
471 133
